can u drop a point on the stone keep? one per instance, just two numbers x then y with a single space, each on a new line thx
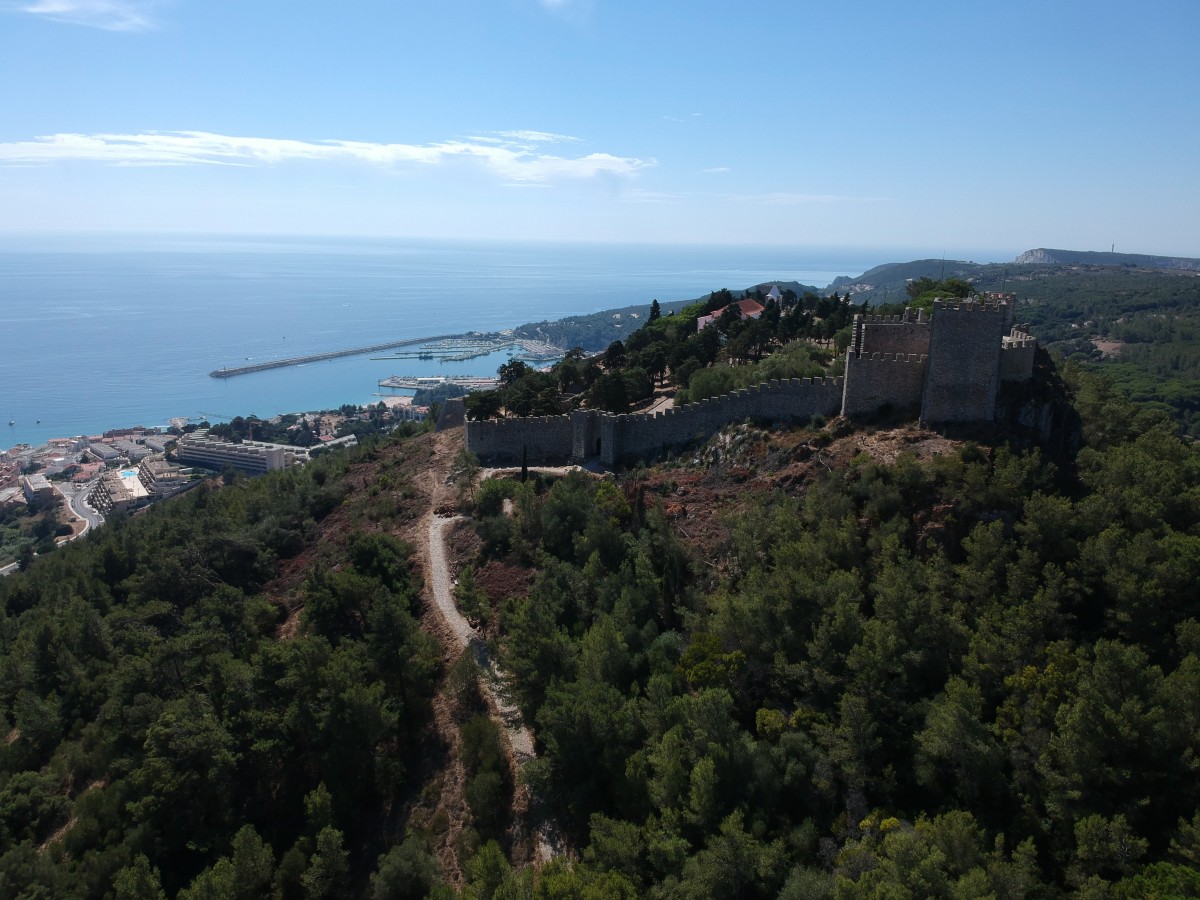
963 374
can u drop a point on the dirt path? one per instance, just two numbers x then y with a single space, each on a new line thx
502 708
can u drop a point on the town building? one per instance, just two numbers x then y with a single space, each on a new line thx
118 491
163 479
38 490
747 309
104 452
11 498
252 457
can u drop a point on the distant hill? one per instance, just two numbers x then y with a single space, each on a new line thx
1042 256
595 331
885 283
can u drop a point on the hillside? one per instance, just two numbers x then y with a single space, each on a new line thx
596 331
813 661
1042 256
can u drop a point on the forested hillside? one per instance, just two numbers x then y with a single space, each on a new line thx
820 660
797 666
218 697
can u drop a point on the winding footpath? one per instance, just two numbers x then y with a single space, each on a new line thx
503 709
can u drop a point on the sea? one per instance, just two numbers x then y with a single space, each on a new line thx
116 331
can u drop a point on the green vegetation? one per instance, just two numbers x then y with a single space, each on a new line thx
974 676
522 392
799 359
731 352
298 431
24 532
159 736
595 331
1154 321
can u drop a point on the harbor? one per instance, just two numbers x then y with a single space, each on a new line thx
233 371
442 347
461 348
427 382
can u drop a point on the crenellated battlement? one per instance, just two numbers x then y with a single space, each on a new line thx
909 316
891 358
537 439
907 333
1017 352
1018 337
990 307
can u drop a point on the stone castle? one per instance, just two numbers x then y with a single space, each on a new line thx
947 368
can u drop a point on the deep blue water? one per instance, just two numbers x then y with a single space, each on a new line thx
105 333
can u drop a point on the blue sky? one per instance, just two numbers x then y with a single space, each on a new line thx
955 127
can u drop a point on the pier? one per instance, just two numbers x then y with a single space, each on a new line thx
231 371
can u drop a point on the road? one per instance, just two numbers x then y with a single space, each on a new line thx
76 497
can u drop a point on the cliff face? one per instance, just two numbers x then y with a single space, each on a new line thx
1035 257
1038 412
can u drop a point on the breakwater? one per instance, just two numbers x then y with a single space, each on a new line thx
232 371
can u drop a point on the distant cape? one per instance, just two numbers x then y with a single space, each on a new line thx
1042 256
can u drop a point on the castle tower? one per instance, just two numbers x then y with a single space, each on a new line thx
963 372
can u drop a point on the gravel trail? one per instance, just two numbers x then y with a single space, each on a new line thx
503 709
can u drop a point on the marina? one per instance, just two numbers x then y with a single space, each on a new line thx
462 348
425 382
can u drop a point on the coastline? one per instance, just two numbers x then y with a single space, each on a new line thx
122 332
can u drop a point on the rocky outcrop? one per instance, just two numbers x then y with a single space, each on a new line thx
1035 258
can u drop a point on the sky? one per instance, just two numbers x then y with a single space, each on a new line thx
961 128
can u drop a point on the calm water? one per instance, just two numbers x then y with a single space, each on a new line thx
106 333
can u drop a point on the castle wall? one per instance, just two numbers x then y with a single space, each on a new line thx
639 436
1016 356
956 380
905 334
546 439
964 362
875 379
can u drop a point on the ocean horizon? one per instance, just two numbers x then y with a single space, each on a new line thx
104 332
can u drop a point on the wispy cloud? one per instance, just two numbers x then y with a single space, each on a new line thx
110 15
717 170
785 198
539 137
518 162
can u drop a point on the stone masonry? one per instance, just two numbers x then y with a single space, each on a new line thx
947 368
